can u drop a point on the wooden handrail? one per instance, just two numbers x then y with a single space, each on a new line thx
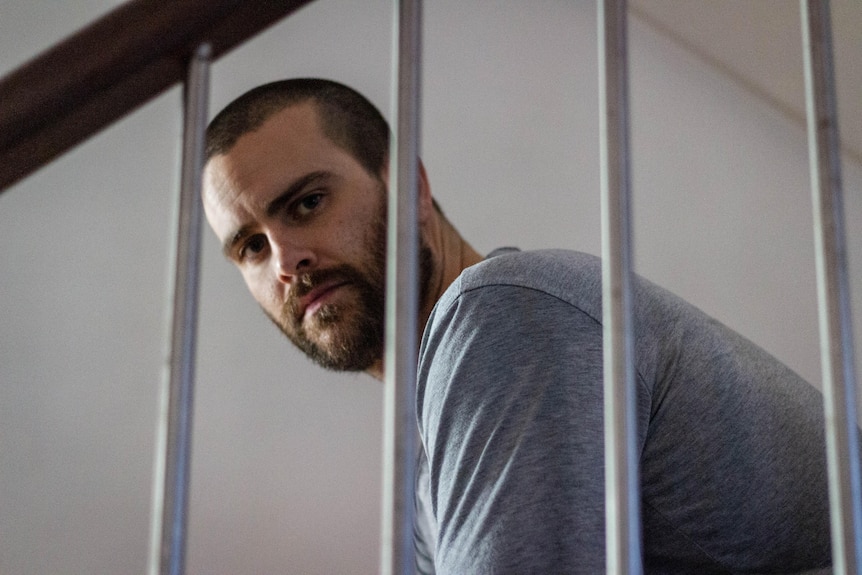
111 67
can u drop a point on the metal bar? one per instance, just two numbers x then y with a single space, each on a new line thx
402 299
173 457
836 339
79 86
622 490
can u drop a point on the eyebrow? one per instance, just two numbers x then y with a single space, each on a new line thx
293 190
274 206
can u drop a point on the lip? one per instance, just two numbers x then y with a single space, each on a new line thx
313 300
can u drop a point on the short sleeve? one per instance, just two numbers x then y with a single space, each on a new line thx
510 408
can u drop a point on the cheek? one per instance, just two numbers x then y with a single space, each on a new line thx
339 241
362 231
264 288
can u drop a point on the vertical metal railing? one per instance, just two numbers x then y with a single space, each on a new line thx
839 388
173 450
402 299
171 487
622 489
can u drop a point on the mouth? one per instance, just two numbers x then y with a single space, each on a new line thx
311 302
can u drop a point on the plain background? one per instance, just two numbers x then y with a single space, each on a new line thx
286 457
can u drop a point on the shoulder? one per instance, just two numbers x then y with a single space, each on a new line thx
513 326
538 269
570 276
513 311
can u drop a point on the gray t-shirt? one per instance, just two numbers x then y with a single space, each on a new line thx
509 399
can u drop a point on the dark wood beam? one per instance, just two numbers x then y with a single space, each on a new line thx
111 67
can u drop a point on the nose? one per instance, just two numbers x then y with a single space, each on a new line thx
291 260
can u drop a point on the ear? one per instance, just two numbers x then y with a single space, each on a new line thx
384 171
426 205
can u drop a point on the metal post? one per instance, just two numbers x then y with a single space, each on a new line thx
173 455
402 300
622 495
836 339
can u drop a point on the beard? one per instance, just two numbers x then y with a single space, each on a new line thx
348 334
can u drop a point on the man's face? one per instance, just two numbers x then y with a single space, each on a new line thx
305 223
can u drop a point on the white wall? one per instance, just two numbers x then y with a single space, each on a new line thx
286 457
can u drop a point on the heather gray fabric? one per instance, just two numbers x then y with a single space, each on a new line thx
509 397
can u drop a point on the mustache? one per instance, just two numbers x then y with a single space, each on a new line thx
309 281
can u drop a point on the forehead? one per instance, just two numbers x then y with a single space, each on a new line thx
263 163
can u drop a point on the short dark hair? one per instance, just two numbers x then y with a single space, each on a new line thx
347 118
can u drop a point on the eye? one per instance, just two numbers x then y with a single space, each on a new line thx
252 247
306 205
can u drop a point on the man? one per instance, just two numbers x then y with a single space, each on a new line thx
510 372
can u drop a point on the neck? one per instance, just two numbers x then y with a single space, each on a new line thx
451 255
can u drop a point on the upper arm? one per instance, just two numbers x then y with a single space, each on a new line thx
510 408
